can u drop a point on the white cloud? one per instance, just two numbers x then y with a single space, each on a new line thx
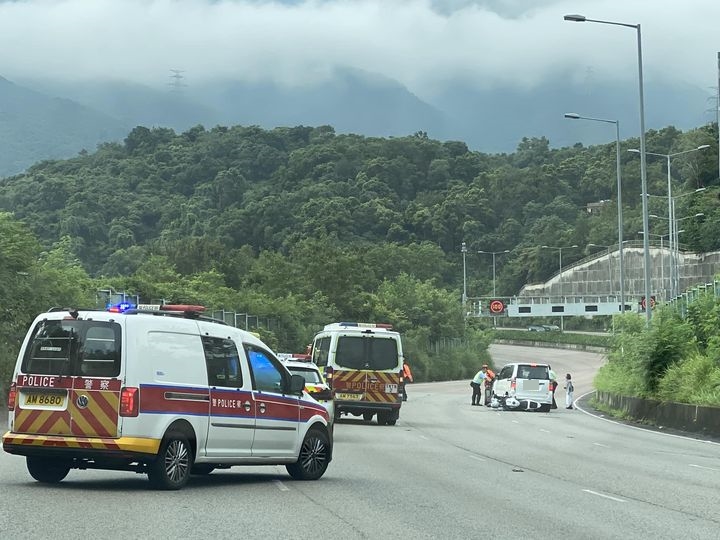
422 43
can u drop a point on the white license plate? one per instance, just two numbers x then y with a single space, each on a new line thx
391 388
531 385
349 397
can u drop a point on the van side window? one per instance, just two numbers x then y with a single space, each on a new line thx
506 372
223 362
266 372
321 351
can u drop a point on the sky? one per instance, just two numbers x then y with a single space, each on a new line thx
424 44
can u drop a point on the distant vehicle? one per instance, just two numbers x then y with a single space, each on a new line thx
315 384
523 385
537 328
551 327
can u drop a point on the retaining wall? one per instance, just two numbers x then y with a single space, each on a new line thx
680 416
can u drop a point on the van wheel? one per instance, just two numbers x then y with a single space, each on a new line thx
46 471
545 407
368 416
314 457
171 468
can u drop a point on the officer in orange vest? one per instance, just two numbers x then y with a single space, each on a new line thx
487 384
407 377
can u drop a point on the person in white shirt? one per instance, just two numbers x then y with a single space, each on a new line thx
477 384
569 389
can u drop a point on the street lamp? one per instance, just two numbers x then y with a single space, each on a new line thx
643 168
560 281
671 207
575 116
463 249
674 247
560 250
662 264
493 253
609 265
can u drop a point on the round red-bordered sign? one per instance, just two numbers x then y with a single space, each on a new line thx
652 302
497 306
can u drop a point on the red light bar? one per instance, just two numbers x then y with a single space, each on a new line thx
181 307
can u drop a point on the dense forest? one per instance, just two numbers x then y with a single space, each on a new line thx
302 226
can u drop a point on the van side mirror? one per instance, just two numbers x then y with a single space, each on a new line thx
297 383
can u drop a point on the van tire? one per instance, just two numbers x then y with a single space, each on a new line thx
545 407
314 457
368 416
171 468
46 471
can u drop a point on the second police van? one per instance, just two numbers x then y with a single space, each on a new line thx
159 390
363 366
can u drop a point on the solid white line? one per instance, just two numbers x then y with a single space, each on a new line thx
701 467
603 495
645 430
477 458
281 486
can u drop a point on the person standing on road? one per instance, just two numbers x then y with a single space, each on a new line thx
487 384
569 389
407 377
553 387
477 384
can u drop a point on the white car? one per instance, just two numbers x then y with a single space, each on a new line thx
524 383
315 384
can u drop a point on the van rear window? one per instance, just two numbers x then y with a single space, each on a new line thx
533 372
362 352
74 348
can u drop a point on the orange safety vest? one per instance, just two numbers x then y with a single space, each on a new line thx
407 373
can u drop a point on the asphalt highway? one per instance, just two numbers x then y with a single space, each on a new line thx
446 470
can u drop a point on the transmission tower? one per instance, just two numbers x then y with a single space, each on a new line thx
176 83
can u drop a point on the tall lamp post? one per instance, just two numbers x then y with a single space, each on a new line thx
494 253
674 249
609 265
560 281
671 206
463 249
668 289
618 173
643 168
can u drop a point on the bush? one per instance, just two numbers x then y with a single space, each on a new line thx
695 380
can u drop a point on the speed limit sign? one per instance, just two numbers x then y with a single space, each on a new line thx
497 306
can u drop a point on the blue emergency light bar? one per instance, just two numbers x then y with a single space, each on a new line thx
121 307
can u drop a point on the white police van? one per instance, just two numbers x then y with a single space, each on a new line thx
160 390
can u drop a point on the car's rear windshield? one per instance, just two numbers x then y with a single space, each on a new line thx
533 372
367 352
310 375
72 347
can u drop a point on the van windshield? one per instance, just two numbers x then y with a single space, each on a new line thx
367 352
72 347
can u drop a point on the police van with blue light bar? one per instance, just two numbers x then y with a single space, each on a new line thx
362 363
160 390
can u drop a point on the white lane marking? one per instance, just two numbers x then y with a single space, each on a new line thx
603 495
424 437
515 422
544 430
702 467
645 430
281 486
477 458
601 444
